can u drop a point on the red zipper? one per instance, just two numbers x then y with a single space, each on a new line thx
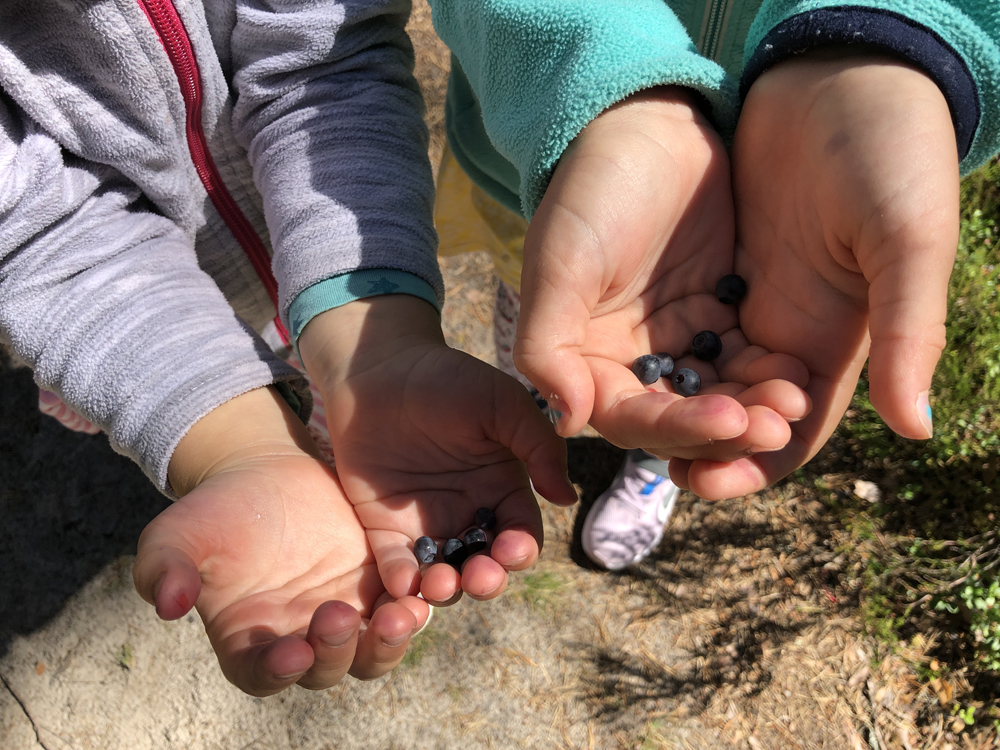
173 36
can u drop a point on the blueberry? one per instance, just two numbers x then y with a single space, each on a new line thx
686 381
424 549
730 289
475 541
454 553
666 364
486 519
647 368
706 345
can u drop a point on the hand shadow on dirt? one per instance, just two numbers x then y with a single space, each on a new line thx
736 578
69 505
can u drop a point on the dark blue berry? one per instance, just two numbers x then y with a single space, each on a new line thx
475 541
647 368
486 519
706 345
424 549
686 381
454 552
666 364
730 289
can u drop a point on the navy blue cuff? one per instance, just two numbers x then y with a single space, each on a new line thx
887 31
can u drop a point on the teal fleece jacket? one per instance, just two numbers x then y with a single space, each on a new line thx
528 75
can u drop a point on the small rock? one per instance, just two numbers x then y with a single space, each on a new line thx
867 491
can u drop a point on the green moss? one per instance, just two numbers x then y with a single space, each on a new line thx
541 590
420 645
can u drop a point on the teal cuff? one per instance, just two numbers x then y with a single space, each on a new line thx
534 73
339 290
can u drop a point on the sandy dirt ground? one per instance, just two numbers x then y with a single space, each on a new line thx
737 633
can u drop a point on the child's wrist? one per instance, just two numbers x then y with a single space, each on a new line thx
677 104
829 61
254 424
364 332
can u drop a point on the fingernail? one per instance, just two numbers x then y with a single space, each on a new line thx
924 413
397 641
337 640
156 586
559 413
284 677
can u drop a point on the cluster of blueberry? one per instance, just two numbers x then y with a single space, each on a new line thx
457 551
706 346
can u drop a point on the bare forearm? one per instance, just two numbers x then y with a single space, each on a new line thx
254 424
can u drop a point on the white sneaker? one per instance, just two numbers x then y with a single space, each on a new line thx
626 522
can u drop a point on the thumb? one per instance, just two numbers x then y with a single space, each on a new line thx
908 301
523 428
558 293
165 574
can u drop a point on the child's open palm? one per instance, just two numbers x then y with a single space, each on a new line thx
621 259
423 436
846 185
272 554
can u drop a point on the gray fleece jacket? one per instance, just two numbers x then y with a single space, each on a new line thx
128 218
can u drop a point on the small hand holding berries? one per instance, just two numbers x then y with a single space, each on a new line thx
424 435
621 259
265 544
846 185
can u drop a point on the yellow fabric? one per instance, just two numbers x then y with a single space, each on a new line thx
467 219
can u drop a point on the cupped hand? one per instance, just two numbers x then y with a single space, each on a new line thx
845 173
272 554
423 436
621 259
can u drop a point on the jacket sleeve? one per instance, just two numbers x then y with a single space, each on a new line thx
956 42
105 301
540 70
332 119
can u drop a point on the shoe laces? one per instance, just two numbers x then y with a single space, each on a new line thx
632 491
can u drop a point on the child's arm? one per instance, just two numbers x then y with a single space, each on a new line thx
846 165
104 299
846 177
636 224
621 259
424 435
266 546
331 117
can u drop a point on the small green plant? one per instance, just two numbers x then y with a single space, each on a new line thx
421 645
654 738
126 657
879 618
965 714
978 600
980 191
538 590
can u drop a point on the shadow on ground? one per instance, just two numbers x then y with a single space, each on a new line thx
69 505
743 577
593 463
